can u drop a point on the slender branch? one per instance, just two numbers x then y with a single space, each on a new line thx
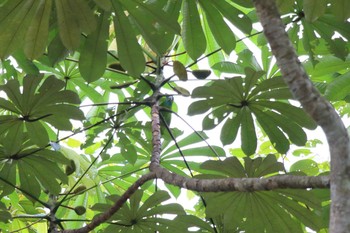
111 103
25 192
105 182
117 205
176 144
198 134
86 171
186 163
27 227
80 131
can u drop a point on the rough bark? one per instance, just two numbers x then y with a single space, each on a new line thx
318 108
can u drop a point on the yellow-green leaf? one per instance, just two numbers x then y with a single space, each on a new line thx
180 70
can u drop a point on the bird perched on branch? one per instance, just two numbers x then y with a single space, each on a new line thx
165 111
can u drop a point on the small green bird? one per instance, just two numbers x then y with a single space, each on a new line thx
165 104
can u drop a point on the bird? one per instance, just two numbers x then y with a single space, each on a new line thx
165 112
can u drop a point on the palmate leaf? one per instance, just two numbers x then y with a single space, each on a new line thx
221 31
39 102
263 211
136 216
195 42
158 26
319 22
30 169
234 101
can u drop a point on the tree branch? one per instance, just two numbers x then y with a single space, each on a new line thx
117 205
318 108
242 184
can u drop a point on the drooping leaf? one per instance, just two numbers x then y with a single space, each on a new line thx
201 74
129 50
192 32
180 70
221 31
68 26
15 19
38 32
93 59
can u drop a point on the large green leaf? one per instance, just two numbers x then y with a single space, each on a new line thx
139 217
15 19
192 32
265 99
92 63
38 32
129 51
263 211
221 31
235 16
38 104
67 24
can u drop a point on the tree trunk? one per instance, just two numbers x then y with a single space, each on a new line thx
319 109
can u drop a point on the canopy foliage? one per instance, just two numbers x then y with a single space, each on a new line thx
77 82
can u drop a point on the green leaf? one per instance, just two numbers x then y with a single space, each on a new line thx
228 67
93 59
56 50
340 9
201 74
15 19
248 135
339 48
83 15
37 133
14 138
67 24
230 128
169 23
7 173
277 138
192 32
156 22
7 105
230 167
27 178
180 70
104 4
221 31
339 88
38 32
314 9
294 131
235 16
307 166
28 66
293 113
129 50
